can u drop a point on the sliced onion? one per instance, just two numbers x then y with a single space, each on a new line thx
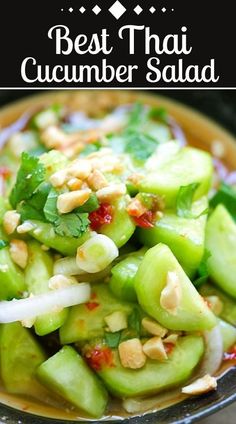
19 310
213 352
18 125
177 131
67 266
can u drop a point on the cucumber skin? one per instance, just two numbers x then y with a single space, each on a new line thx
184 236
12 283
68 375
20 355
37 273
188 158
192 315
67 246
83 324
122 280
122 226
155 376
221 243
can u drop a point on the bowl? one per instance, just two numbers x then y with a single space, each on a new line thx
201 131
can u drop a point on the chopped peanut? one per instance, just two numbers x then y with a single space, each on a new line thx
96 180
131 354
111 192
201 385
74 184
25 228
11 220
215 304
135 178
172 338
54 137
154 349
59 178
66 202
28 323
136 208
153 327
19 252
116 321
171 294
59 281
80 169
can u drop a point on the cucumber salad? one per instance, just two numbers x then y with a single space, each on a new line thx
117 260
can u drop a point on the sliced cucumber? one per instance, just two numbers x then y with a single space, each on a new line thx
84 323
228 312
221 243
184 236
122 226
37 274
155 376
192 313
183 167
20 356
68 375
228 334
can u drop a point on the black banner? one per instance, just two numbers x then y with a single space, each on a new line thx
125 44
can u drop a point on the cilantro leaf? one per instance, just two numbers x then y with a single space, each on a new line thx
3 244
27 211
134 322
203 272
50 208
30 175
113 339
140 146
226 195
136 117
159 114
72 225
33 208
184 200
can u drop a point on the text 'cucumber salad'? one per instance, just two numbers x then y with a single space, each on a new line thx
117 260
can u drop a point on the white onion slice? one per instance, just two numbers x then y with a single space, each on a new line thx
19 310
136 405
213 352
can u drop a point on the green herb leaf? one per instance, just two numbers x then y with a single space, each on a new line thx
140 146
136 117
3 244
91 205
113 339
203 272
30 175
159 114
134 322
226 195
72 225
185 199
50 208
33 208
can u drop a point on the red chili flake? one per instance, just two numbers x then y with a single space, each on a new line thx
103 215
169 347
5 172
99 357
146 220
91 305
231 355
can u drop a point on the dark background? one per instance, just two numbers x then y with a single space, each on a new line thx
218 104
210 28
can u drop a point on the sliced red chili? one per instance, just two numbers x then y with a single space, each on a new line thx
169 347
99 357
146 220
103 215
91 305
5 172
231 355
